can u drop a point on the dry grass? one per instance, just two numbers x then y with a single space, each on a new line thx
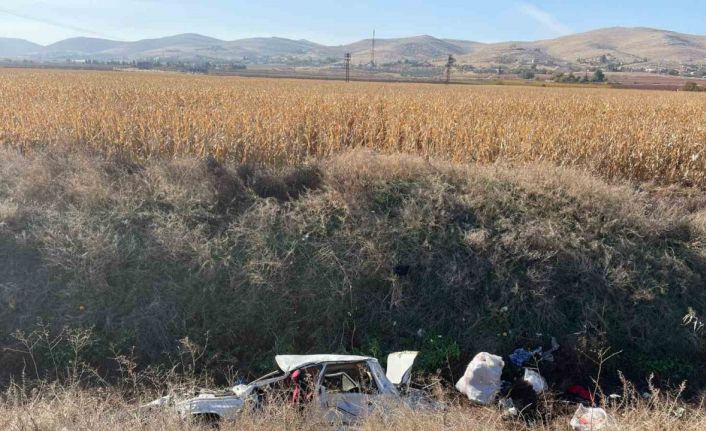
139 250
617 134
52 407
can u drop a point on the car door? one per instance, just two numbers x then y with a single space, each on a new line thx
348 392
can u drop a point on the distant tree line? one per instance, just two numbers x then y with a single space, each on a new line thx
597 77
189 67
692 86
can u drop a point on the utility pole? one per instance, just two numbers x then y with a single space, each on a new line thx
372 57
449 64
347 60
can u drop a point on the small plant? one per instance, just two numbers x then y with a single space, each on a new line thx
692 86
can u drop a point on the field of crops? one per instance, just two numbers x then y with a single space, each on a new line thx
638 135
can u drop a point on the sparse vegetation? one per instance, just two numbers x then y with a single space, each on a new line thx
53 407
693 86
597 77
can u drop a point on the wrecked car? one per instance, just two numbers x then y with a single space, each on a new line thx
343 388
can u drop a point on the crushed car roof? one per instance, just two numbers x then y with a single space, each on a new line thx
288 363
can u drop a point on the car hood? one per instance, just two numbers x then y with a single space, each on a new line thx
399 367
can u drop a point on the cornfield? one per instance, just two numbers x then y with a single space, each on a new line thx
635 135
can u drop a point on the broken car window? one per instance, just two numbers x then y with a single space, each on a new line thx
349 378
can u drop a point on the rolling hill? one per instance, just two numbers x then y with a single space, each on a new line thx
614 45
10 47
81 46
629 44
420 48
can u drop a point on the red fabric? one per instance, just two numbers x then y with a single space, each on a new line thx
297 390
580 391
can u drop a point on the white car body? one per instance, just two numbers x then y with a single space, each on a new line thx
344 388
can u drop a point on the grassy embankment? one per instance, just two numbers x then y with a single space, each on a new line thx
359 253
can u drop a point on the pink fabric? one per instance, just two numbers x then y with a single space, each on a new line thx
297 390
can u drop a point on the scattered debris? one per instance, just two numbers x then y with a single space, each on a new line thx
590 419
521 356
508 406
582 393
539 384
481 382
343 388
399 367
525 399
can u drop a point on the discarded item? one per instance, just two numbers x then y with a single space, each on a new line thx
344 389
589 419
509 407
481 382
581 392
399 367
520 357
289 363
539 384
524 398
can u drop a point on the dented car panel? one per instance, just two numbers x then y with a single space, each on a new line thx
399 367
344 388
224 407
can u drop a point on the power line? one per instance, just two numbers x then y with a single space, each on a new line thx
347 60
449 64
372 58
52 23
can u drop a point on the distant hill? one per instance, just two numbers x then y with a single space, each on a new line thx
182 46
17 47
81 46
618 45
615 45
275 46
629 44
420 48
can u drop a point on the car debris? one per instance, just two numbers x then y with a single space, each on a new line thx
343 388
399 368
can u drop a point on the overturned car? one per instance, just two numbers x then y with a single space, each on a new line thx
343 388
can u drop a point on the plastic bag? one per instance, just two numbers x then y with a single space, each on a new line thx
481 382
539 384
590 419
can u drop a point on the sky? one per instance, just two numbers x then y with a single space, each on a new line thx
339 22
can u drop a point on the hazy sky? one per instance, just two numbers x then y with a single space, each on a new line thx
337 22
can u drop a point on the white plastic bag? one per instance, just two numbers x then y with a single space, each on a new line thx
590 419
536 380
481 382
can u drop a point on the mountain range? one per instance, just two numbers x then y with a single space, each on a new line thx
618 45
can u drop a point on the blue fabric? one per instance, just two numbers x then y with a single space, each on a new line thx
520 356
